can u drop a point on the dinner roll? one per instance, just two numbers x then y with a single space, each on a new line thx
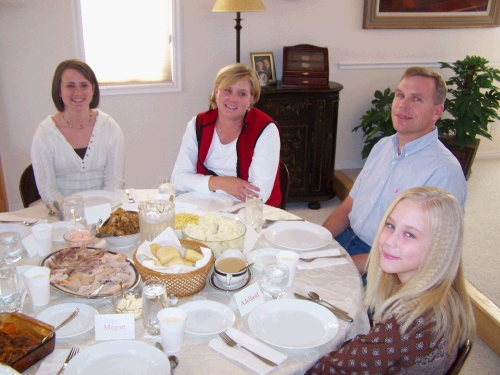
174 262
192 256
166 253
154 248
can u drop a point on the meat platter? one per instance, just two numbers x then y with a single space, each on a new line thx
80 271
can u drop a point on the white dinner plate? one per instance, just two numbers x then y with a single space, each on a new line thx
262 257
298 235
207 317
23 230
293 324
209 201
82 323
98 197
120 357
61 227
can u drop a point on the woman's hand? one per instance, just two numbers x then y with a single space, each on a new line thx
234 186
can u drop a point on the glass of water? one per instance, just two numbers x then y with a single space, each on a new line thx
154 299
254 213
10 298
11 247
275 280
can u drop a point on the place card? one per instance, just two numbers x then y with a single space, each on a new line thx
249 298
30 245
94 213
114 327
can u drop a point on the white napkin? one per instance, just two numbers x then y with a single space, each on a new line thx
251 237
244 357
8 217
53 362
321 263
168 238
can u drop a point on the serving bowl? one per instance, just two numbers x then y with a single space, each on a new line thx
79 238
217 232
122 240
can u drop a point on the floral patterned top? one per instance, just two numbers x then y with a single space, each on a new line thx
384 350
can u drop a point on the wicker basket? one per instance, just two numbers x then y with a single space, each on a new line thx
181 284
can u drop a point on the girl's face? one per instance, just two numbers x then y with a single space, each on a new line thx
405 241
234 101
76 90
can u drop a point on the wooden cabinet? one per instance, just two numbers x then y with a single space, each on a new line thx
308 122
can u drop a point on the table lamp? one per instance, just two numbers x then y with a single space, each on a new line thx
238 6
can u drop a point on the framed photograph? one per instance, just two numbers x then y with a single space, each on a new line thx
430 14
264 62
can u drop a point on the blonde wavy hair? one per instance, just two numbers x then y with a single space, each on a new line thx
437 291
233 73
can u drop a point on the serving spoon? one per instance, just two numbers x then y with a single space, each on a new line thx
65 321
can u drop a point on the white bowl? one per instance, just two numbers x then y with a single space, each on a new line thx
122 241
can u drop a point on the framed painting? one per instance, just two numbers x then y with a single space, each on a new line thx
264 62
430 14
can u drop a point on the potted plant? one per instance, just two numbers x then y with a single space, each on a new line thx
472 104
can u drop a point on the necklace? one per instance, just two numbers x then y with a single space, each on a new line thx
81 125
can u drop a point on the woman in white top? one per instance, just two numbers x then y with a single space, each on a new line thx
80 147
233 147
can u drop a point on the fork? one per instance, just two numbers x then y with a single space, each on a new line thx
74 351
330 256
277 220
27 223
96 292
230 342
130 199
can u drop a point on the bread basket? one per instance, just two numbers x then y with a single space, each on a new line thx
181 284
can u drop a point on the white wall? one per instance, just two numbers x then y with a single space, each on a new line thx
35 35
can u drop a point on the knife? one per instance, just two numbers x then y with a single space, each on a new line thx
59 213
341 314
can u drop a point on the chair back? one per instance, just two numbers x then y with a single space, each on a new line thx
27 187
462 354
284 184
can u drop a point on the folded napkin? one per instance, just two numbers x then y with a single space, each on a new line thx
53 362
251 237
13 218
168 238
244 357
268 213
321 263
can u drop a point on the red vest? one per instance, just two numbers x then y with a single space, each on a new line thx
254 123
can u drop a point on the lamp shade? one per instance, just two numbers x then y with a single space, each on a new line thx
238 6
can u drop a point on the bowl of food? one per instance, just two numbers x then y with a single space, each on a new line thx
121 228
79 238
130 302
217 232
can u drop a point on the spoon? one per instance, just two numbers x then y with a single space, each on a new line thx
120 281
51 212
247 266
174 362
74 216
315 296
65 321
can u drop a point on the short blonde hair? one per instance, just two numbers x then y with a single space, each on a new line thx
233 73
437 291
441 88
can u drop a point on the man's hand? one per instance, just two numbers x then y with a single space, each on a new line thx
234 186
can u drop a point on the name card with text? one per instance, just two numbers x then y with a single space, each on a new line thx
114 327
249 298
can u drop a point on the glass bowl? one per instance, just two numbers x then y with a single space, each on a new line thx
79 238
218 239
132 304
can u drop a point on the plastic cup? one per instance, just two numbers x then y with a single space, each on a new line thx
38 284
290 259
172 322
254 213
74 201
42 233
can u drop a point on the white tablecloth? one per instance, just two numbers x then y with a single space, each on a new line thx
340 285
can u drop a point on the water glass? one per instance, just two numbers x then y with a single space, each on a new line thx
275 280
154 217
166 187
74 201
10 298
154 299
254 213
11 247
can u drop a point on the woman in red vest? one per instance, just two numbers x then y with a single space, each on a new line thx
232 147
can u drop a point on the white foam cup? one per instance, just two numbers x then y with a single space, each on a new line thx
172 320
42 233
38 284
290 259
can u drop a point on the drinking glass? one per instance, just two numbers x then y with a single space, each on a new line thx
254 213
275 280
154 299
10 298
166 187
74 201
154 217
11 247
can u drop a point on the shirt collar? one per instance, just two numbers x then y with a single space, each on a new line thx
417 144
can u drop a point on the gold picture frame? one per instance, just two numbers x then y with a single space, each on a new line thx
393 14
258 58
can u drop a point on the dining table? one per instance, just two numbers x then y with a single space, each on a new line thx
339 284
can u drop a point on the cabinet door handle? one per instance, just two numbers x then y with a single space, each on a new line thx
305 73
305 81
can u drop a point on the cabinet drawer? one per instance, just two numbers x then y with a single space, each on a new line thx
305 81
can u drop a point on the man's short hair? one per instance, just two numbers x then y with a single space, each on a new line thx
441 89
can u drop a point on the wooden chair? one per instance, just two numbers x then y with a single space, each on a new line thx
27 187
284 184
462 354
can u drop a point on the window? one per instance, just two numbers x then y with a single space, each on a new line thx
131 45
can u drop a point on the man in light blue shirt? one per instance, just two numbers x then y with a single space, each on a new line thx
412 157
